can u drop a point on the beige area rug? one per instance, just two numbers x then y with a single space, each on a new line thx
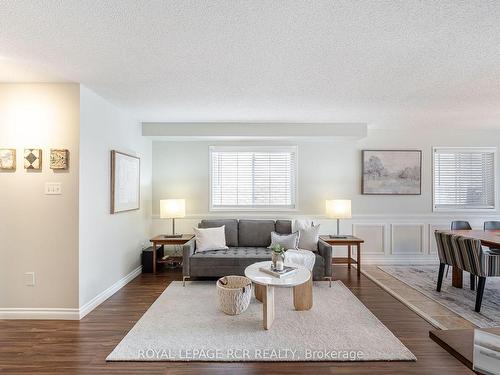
184 324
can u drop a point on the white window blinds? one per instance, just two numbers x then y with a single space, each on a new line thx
464 178
253 178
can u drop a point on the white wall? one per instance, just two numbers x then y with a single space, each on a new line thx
39 233
110 245
396 228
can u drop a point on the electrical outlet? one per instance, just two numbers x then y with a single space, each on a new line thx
53 188
29 278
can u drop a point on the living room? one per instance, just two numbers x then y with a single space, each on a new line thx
249 187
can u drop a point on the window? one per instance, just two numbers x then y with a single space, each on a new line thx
254 178
464 178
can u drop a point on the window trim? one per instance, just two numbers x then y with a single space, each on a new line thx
495 173
285 148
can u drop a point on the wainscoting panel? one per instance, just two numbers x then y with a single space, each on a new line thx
407 238
374 236
389 239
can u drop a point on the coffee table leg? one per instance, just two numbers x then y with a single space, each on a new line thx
303 296
260 292
268 308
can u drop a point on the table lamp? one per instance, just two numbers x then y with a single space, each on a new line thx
338 209
172 209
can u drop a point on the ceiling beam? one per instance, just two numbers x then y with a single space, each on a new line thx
250 131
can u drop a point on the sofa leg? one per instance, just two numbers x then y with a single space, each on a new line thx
329 280
184 278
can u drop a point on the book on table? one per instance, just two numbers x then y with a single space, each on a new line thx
287 271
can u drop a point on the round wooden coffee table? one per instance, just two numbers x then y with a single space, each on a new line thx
300 281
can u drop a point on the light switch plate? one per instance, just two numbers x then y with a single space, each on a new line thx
53 188
29 278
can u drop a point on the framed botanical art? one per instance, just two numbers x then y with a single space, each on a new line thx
391 172
125 182
7 159
59 158
32 158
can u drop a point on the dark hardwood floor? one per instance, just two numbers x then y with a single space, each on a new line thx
71 347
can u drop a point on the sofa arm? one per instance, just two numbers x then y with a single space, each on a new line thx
187 251
326 250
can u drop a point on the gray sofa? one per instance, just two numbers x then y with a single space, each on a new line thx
247 241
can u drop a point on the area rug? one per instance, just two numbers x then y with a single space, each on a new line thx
184 324
460 301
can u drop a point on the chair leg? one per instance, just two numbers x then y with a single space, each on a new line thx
472 282
440 276
184 278
479 293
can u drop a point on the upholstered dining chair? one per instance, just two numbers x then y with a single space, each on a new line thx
492 225
462 225
468 255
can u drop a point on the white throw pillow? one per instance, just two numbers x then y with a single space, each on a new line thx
302 224
309 237
210 239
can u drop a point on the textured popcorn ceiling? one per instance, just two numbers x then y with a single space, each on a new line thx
387 63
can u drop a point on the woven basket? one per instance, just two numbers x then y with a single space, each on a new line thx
234 294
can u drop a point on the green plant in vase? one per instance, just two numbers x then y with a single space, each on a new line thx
278 257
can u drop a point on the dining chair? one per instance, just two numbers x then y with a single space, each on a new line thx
468 255
462 225
492 225
479 262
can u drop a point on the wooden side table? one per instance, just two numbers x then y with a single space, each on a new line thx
161 240
348 241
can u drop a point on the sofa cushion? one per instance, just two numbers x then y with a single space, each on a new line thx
284 226
255 233
231 229
231 256
234 260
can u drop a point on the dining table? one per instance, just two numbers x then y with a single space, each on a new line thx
488 238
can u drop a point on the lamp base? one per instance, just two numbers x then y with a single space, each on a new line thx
338 236
172 236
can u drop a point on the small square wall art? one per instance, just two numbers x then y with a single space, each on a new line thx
7 159
32 158
59 158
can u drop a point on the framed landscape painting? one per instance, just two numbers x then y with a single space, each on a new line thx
392 172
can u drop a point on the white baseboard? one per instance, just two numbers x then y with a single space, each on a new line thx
68 313
103 296
39 313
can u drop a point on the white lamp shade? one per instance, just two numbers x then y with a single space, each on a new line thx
172 208
338 209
